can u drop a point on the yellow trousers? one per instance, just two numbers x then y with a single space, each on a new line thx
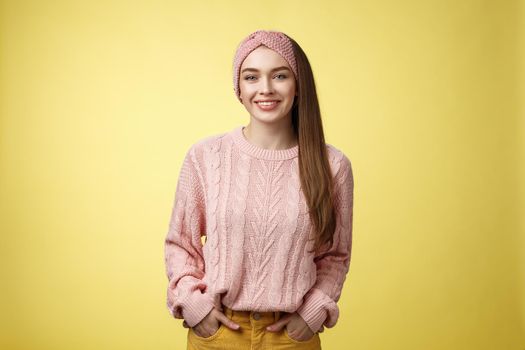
251 335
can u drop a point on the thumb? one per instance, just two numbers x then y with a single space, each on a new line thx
277 326
227 322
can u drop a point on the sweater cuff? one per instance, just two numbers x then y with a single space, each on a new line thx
197 306
313 310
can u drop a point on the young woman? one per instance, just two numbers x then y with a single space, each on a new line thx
275 204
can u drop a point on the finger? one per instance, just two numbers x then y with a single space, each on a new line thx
227 322
277 326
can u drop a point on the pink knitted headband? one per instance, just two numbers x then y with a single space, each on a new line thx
274 40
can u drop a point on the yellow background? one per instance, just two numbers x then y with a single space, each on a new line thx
100 100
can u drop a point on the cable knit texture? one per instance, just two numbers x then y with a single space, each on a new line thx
248 203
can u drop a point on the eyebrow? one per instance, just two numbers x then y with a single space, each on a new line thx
273 70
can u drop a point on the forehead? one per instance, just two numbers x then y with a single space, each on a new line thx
264 58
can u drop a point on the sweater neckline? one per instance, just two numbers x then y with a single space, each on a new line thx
259 152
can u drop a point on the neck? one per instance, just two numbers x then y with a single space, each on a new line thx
272 137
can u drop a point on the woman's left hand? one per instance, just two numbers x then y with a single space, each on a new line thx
297 327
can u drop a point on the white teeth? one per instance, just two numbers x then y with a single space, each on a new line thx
267 103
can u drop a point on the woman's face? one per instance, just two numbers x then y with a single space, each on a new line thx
265 75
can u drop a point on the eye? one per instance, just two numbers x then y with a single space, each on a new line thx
249 77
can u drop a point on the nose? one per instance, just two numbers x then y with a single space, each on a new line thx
266 85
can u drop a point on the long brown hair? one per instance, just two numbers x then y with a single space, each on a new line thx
314 167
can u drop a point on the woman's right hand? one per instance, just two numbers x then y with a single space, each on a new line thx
210 324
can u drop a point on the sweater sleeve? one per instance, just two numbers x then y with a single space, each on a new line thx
319 307
185 268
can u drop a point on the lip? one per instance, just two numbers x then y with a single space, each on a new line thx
267 108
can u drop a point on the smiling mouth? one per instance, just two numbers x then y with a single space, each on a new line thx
267 105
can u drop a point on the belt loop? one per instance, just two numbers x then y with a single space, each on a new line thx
229 312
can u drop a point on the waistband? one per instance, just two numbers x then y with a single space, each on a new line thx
257 316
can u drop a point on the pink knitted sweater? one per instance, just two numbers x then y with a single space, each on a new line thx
248 202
